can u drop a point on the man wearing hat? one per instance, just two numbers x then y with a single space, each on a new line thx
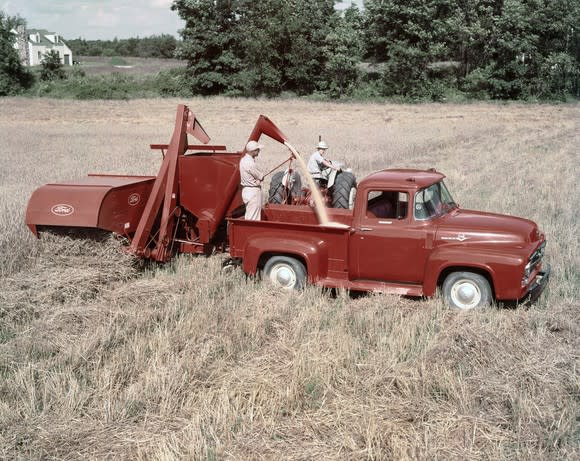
251 180
318 162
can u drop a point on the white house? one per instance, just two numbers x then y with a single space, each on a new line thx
33 44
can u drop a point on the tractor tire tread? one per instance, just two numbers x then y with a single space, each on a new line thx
343 184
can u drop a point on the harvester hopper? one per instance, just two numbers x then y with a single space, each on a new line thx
109 202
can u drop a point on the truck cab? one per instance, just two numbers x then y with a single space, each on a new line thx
409 218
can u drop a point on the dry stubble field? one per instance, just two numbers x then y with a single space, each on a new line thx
102 360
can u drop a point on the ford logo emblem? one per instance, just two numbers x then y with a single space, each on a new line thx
62 209
134 199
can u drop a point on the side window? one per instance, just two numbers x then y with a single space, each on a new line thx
387 204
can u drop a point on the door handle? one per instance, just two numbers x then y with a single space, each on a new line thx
365 229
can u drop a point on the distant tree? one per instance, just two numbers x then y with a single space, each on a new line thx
79 47
132 44
503 49
309 22
528 48
256 47
282 44
157 46
210 39
261 48
52 68
343 52
14 77
404 36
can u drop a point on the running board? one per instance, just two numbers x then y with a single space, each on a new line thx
401 289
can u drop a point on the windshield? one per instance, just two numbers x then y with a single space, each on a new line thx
433 201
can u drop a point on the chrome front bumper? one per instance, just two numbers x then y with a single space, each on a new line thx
538 286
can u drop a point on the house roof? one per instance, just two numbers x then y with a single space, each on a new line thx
43 40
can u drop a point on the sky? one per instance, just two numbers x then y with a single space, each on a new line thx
97 19
102 19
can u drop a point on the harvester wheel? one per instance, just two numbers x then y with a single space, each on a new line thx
467 290
344 191
285 272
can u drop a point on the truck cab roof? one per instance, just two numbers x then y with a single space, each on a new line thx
401 178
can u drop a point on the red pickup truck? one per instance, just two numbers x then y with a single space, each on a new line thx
405 235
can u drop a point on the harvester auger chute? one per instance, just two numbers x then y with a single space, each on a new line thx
181 210
164 194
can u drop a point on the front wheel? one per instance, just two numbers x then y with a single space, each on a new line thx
467 290
285 272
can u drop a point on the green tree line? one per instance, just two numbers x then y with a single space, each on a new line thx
500 49
156 46
407 50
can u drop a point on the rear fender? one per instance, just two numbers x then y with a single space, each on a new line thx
330 173
313 253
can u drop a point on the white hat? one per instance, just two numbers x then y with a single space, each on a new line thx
322 145
252 146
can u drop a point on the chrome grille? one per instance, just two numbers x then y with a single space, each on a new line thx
537 255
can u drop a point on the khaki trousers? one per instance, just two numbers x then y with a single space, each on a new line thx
252 197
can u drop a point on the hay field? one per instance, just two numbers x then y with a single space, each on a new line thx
101 65
100 359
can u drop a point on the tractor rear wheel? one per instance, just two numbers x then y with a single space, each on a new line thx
279 192
344 191
276 193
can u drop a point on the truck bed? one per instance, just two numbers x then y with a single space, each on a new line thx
302 214
324 247
294 230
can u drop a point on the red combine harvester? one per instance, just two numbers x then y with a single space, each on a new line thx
403 235
181 210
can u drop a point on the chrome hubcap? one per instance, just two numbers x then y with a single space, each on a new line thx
465 294
283 276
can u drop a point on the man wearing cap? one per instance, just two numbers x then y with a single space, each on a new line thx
251 180
318 162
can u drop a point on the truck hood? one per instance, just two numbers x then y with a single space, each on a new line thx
478 226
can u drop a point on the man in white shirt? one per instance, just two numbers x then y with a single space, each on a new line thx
318 162
251 181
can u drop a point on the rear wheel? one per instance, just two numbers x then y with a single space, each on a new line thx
467 290
285 272
280 192
344 191
276 193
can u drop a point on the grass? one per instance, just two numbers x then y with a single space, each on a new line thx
101 359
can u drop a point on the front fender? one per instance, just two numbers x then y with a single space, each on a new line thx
502 267
313 251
